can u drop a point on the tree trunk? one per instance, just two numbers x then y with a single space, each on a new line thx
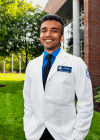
26 55
26 59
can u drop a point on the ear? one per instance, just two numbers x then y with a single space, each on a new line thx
62 38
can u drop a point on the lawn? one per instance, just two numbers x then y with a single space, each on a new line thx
12 111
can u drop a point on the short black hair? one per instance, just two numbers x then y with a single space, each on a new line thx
53 17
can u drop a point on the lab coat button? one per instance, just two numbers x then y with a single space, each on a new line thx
44 102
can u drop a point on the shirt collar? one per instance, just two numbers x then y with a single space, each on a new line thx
55 53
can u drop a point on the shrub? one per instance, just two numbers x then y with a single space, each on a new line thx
1 65
97 96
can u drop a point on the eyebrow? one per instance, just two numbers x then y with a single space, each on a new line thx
51 28
43 28
54 28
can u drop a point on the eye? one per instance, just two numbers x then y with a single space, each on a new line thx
43 31
55 31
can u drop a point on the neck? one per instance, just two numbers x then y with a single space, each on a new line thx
50 50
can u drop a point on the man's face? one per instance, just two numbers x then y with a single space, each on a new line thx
50 35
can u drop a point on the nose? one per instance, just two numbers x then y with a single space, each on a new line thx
48 33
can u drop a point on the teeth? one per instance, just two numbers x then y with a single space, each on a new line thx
48 40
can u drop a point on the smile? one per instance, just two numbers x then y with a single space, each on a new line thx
49 40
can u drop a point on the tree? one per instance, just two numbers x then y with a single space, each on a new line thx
27 36
70 41
14 8
9 12
22 31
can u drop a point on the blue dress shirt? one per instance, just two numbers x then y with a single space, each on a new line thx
54 54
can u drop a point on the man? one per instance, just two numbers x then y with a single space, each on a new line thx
49 91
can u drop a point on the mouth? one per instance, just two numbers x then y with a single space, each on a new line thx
49 40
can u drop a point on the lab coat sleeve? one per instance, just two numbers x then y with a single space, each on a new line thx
83 90
27 99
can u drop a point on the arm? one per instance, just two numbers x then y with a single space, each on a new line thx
83 90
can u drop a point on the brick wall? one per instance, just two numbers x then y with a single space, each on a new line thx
92 39
53 6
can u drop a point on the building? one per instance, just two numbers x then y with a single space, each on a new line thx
89 30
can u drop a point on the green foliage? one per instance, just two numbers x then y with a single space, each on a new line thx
71 37
28 36
98 88
97 96
8 63
1 65
20 29
9 12
14 8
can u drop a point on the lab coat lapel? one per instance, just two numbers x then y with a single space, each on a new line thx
60 60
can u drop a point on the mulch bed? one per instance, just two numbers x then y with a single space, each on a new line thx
2 85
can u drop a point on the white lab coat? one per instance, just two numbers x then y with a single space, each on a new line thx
55 108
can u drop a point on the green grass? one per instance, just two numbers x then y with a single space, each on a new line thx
12 111
94 133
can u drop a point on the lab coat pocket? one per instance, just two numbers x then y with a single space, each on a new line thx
31 126
63 83
68 115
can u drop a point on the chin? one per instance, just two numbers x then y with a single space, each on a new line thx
48 47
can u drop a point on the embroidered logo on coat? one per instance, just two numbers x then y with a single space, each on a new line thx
64 69
87 73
